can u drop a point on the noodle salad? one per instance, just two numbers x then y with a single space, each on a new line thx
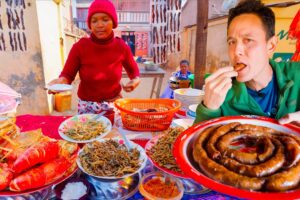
85 130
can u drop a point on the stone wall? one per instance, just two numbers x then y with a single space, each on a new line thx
21 65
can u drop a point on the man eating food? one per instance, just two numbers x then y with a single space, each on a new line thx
261 86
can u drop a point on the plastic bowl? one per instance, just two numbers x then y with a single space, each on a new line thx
164 178
58 189
192 110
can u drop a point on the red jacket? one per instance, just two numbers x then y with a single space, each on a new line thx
100 67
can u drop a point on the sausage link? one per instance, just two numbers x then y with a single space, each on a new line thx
218 172
253 127
211 149
262 169
292 150
244 157
285 180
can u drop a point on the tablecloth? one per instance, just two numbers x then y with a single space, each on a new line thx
50 124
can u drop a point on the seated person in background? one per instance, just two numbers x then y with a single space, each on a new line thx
261 86
182 74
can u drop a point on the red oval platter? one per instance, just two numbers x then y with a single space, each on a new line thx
148 147
183 147
6 193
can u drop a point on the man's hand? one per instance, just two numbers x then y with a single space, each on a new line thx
217 86
293 118
132 84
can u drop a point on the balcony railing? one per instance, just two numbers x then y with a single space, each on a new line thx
124 17
84 1
133 17
82 24
70 27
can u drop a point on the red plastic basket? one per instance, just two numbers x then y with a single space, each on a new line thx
147 114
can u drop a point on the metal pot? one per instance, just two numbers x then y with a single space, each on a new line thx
173 83
150 66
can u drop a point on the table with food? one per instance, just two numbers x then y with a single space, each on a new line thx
147 150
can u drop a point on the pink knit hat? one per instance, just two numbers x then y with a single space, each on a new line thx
103 6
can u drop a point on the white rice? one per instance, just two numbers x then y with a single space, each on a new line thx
73 190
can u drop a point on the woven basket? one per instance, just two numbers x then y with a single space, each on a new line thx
147 114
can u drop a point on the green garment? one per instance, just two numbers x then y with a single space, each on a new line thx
239 102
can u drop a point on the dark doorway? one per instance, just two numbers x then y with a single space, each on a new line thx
129 39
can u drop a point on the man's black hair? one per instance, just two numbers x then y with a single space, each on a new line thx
256 7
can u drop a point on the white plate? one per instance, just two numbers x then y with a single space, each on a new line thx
189 92
59 87
70 122
184 123
142 159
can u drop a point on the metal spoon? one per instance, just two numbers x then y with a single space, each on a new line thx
127 143
95 118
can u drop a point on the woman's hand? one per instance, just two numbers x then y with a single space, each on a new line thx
217 86
60 80
131 85
293 118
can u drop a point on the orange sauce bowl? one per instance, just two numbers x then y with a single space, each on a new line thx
160 186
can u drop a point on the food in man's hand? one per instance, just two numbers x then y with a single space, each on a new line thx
239 66
267 160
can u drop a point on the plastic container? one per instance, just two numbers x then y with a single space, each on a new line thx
192 110
8 106
63 101
191 78
147 114
167 184
173 83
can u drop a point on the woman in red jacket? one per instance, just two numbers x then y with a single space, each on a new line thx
99 60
